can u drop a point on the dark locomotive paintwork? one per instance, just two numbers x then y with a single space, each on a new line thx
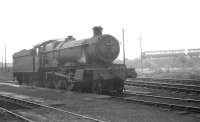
84 65
96 50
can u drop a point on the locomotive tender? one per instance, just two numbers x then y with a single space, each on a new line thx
83 65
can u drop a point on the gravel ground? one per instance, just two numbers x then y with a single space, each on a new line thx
43 115
102 107
7 118
39 114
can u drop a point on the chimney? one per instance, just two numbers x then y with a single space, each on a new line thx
97 31
70 38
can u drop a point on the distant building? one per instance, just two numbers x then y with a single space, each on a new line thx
163 53
194 52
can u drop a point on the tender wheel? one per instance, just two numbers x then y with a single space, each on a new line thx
57 84
19 80
70 86
97 87
50 82
120 87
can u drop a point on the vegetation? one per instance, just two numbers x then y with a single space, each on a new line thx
171 67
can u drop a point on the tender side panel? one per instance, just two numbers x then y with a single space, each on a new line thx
23 64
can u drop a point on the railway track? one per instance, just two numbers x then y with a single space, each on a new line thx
15 115
190 105
170 80
30 104
168 86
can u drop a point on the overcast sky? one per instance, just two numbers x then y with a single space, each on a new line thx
164 24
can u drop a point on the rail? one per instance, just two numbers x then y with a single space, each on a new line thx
178 87
30 103
20 117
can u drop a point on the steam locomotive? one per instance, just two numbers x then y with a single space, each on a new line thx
84 65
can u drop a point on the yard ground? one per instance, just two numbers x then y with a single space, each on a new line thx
98 106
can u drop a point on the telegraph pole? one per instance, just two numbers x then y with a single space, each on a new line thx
141 59
124 58
2 64
5 59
